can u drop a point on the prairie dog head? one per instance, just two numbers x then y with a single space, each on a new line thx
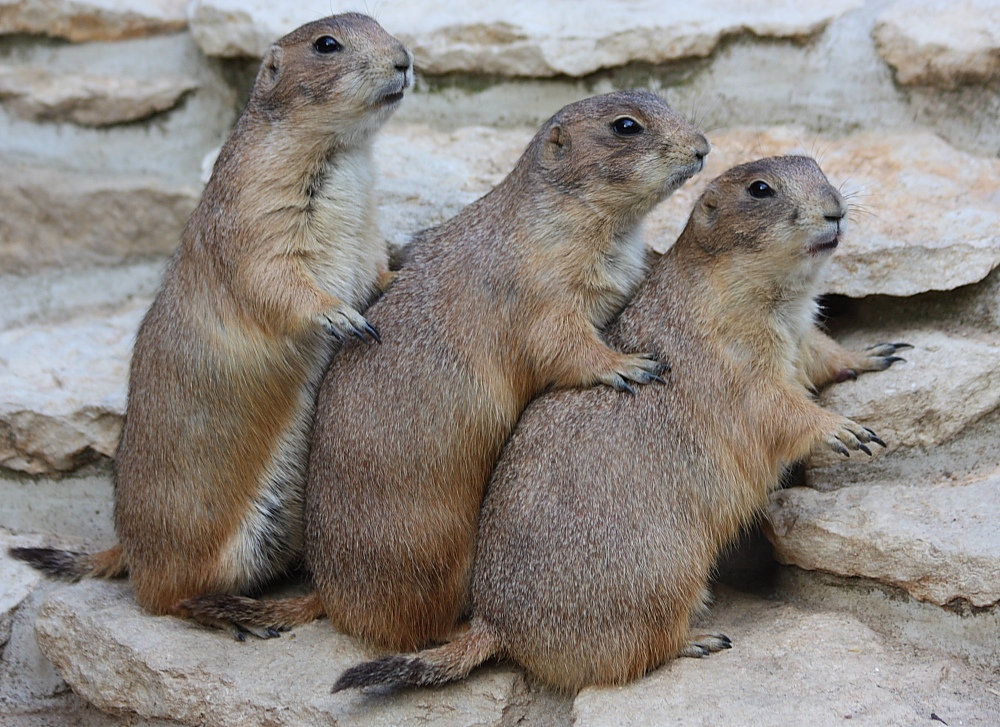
341 75
776 219
620 154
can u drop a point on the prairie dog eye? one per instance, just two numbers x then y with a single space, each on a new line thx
327 44
759 189
626 126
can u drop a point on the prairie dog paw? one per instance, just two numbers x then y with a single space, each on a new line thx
643 368
877 357
850 437
345 321
701 645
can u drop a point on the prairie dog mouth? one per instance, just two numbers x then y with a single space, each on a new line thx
825 244
392 98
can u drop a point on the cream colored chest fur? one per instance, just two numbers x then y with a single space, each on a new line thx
344 245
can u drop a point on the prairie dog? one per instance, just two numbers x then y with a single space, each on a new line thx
493 307
280 255
605 515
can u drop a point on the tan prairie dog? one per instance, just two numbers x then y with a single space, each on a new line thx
277 260
605 514
493 307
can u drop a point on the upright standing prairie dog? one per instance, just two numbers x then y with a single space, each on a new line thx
605 514
493 307
280 255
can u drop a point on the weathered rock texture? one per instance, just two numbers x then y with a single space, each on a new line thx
124 660
943 43
948 383
88 20
524 38
87 99
62 391
791 666
51 218
938 542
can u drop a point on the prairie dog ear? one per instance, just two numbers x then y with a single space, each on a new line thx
557 144
708 205
270 68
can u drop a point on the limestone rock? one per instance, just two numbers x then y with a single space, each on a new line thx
88 20
17 580
939 542
524 38
53 218
925 215
87 99
62 390
455 168
124 660
947 383
788 666
941 43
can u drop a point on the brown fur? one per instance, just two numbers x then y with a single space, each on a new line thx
493 307
211 465
606 514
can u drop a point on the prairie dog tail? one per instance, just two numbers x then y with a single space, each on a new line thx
71 565
252 614
431 667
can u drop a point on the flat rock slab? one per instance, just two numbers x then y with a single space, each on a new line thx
87 99
17 579
947 383
938 542
86 20
524 38
940 43
52 218
792 666
926 215
123 660
427 176
62 390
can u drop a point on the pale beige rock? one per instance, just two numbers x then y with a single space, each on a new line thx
88 20
86 99
925 215
943 43
427 176
62 390
54 218
526 38
124 660
948 382
792 666
939 542
17 580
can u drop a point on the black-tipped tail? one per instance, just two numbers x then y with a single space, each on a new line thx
60 563
428 668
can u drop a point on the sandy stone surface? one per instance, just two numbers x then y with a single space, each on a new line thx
938 542
947 383
62 390
87 99
943 43
524 38
789 665
88 20
52 218
16 581
794 666
123 660
925 215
